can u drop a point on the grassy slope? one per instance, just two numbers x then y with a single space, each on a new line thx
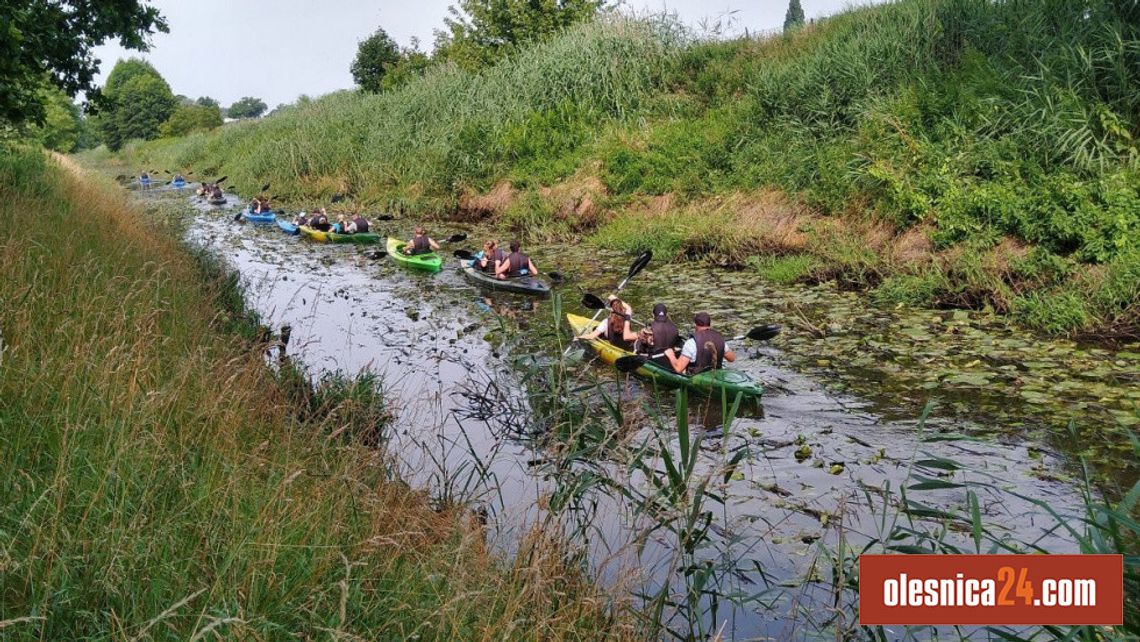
156 481
945 152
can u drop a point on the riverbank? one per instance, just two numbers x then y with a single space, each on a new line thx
160 477
970 170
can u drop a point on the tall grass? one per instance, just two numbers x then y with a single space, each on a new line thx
452 130
158 481
970 121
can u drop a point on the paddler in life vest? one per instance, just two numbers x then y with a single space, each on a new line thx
658 336
516 265
705 350
615 328
491 257
421 243
320 221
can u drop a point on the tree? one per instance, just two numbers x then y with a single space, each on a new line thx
136 101
248 107
47 38
479 32
191 118
795 15
376 55
206 101
60 127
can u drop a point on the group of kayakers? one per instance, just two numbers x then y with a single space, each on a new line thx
705 350
210 191
319 220
502 264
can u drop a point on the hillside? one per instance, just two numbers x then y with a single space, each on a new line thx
950 153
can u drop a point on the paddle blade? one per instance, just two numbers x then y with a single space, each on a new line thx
385 217
455 238
265 187
463 254
763 333
556 277
640 263
631 363
219 181
337 198
592 302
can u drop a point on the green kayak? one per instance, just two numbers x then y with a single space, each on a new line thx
711 382
428 262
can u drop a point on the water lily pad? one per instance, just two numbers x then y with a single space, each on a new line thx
968 379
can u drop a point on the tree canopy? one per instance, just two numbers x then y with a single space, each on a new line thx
136 100
247 107
191 118
795 15
479 32
375 57
56 40
62 122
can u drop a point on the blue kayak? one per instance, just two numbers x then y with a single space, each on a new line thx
288 227
268 217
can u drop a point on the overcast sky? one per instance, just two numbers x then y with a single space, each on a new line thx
277 50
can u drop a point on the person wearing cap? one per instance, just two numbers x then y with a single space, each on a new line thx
615 327
705 350
660 335
515 265
421 243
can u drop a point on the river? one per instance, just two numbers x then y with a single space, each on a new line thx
820 464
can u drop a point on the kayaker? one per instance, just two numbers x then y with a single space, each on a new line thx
179 178
358 225
615 328
302 218
658 336
354 225
705 350
492 256
216 192
320 221
144 178
255 205
263 205
421 243
517 264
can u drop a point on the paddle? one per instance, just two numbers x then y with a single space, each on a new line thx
455 238
633 362
637 266
264 188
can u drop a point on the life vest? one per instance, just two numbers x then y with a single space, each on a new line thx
664 335
360 223
518 263
494 259
710 351
615 330
421 245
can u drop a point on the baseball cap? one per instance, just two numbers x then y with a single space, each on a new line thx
702 319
